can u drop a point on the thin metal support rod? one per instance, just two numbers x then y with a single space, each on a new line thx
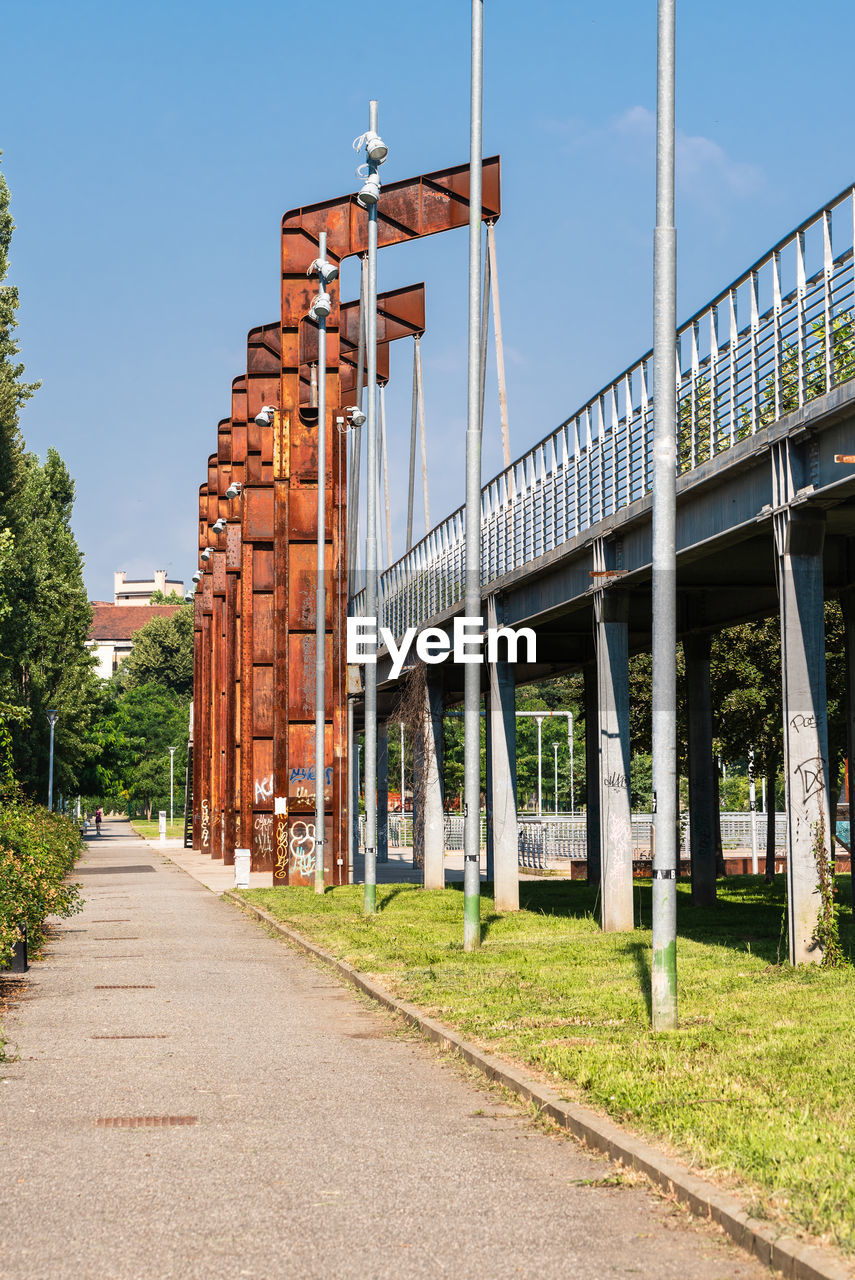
664 973
472 671
411 492
500 346
384 462
353 485
370 885
321 595
485 323
421 398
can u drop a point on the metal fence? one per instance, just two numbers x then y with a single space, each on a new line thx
759 350
564 836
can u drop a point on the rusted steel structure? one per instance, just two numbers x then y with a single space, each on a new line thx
254 640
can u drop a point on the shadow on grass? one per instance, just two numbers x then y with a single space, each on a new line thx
384 898
748 915
640 953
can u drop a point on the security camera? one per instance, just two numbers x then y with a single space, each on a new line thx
234 489
219 525
357 417
197 576
207 553
326 270
265 417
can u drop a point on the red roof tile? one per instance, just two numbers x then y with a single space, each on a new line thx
121 621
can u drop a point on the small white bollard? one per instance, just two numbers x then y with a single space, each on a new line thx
241 868
162 822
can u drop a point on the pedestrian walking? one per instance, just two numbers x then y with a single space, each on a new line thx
99 814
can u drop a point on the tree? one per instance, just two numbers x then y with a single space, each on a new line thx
14 392
135 734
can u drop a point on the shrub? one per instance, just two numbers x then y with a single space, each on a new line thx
37 850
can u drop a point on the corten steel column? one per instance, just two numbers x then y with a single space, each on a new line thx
401 313
219 509
428 809
407 210
702 828
231 452
502 728
847 603
611 614
383 791
206 586
198 683
259 387
592 774
799 538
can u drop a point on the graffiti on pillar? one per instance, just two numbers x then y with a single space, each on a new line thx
263 789
811 774
301 781
303 848
803 722
281 871
616 781
263 827
206 824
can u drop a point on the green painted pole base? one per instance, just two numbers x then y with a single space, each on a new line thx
664 988
369 901
471 921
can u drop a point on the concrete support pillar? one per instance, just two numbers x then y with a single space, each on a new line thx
847 601
592 774
352 791
611 616
488 784
428 817
383 791
502 730
702 815
799 536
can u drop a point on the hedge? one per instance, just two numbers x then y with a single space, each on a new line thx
37 850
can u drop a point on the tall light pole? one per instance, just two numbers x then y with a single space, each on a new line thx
572 780
376 153
472 609
172 751
540 766
555 755
664 973
319 310
52 716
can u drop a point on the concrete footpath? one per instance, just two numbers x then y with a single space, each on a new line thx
194 1098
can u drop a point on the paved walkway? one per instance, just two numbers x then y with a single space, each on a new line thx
324 1142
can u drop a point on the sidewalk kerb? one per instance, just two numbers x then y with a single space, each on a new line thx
795 1259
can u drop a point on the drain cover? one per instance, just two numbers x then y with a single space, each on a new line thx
140 1037
133 986
143 1122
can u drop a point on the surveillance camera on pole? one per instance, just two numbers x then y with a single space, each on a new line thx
264 418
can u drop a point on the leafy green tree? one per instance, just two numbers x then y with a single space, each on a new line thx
135 735
14 392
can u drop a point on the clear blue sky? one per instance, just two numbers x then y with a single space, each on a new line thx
151 150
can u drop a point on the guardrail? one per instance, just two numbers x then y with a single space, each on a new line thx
759 350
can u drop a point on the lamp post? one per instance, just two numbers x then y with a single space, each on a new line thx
376 152
402 776
570 741
319 310
555 755
172 751
52 716
664 560
472 672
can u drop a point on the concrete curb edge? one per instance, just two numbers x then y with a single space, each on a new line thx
795 1259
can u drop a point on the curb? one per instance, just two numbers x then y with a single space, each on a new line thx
793 1258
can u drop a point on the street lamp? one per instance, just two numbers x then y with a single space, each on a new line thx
52 716
555 754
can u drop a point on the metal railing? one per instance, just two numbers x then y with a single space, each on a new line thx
564 836
757 351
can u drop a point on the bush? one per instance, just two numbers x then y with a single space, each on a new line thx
37 850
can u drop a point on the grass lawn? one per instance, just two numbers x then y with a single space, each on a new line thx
758 1085
150 830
